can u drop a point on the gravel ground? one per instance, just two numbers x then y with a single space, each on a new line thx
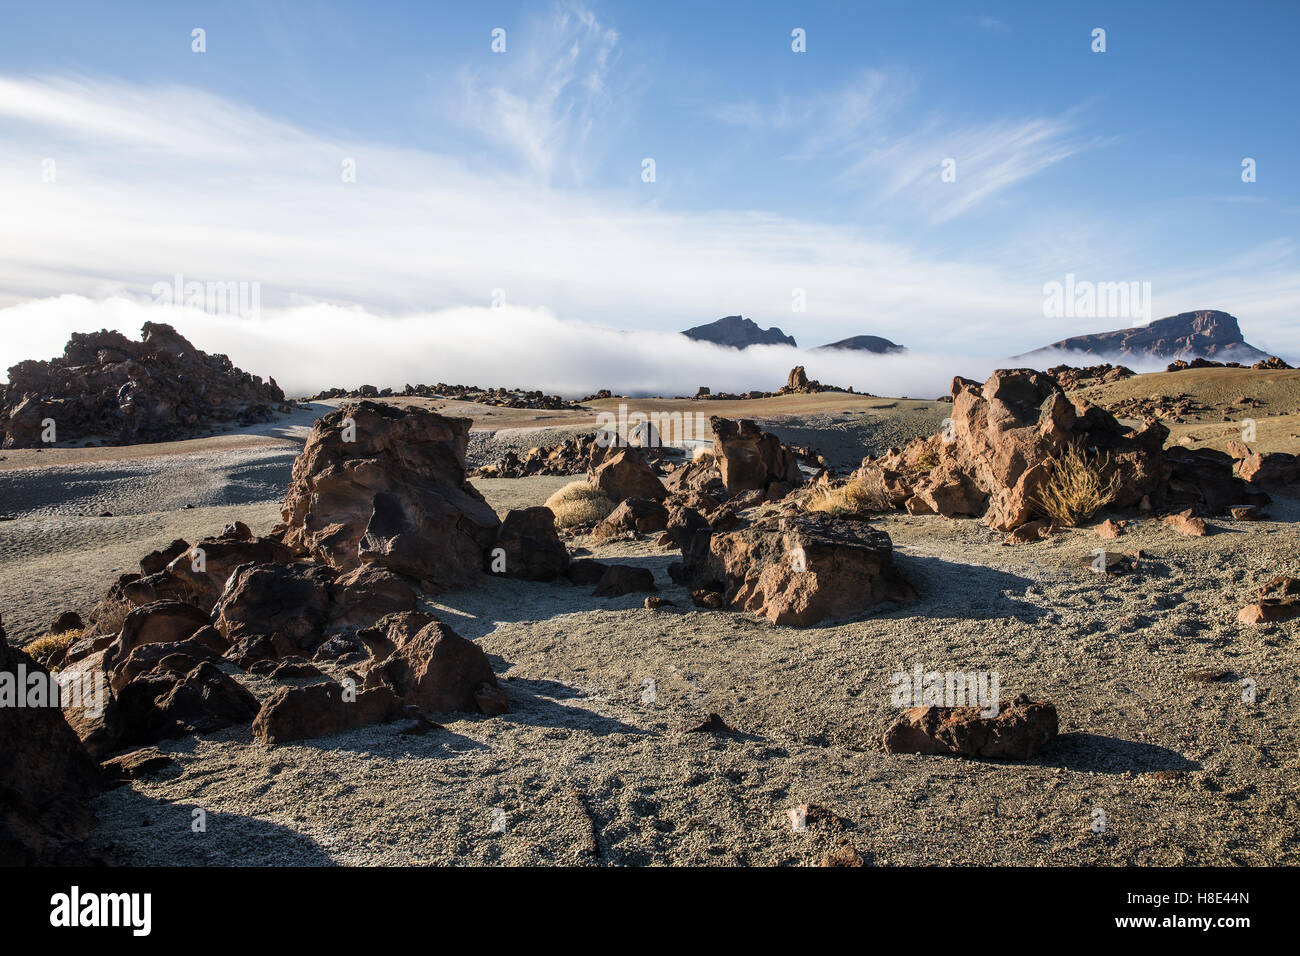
587 769
590 768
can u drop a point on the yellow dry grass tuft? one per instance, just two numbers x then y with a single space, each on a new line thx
1075 488
579 503
864 493
47 645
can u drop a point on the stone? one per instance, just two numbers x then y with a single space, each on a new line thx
319 710
156 706
750 458
47 779
365 594
1245 513
1279 601
1037 530
528 545
801 569
395 496
639 515
620 579
1276 471
435 670
1187 523
144 762
292 600
156 560
627 474
1022 728
1109 529
164 622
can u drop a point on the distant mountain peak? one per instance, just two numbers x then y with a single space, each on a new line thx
1206 333
738 332
866 343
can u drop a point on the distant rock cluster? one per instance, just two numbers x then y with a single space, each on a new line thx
108 388
1071 378
1272 362
500 397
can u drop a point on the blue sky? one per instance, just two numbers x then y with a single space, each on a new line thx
775 170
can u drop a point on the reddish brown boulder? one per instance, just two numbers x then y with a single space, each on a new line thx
47 778
292 600
386 485
164 622
160 705
1276 471
641 515
627 474
749 458
199 574
435 670
365 594
1185 522
179 657
1038 530
528 547
798 570
946 490
1006 433
1021 729
318 710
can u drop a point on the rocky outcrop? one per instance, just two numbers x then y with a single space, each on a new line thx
1022 728
120 392
632 516
997 453
801 569
382 485
750 459
46 776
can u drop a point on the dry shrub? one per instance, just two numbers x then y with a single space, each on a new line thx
579 503
1075 489
47 645
865 492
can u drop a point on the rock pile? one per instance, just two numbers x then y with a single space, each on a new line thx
121 392
996 455
498 397
1071 378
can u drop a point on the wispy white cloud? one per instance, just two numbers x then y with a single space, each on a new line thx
543 97
873 132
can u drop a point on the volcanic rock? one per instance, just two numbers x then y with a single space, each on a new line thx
318 710
435 670
529 546
46 776
798 570
627 474
1021 729
123 392
749 458
385 485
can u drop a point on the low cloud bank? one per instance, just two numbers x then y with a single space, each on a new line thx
312 347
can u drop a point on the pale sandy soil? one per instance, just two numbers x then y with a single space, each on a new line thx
1144 669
